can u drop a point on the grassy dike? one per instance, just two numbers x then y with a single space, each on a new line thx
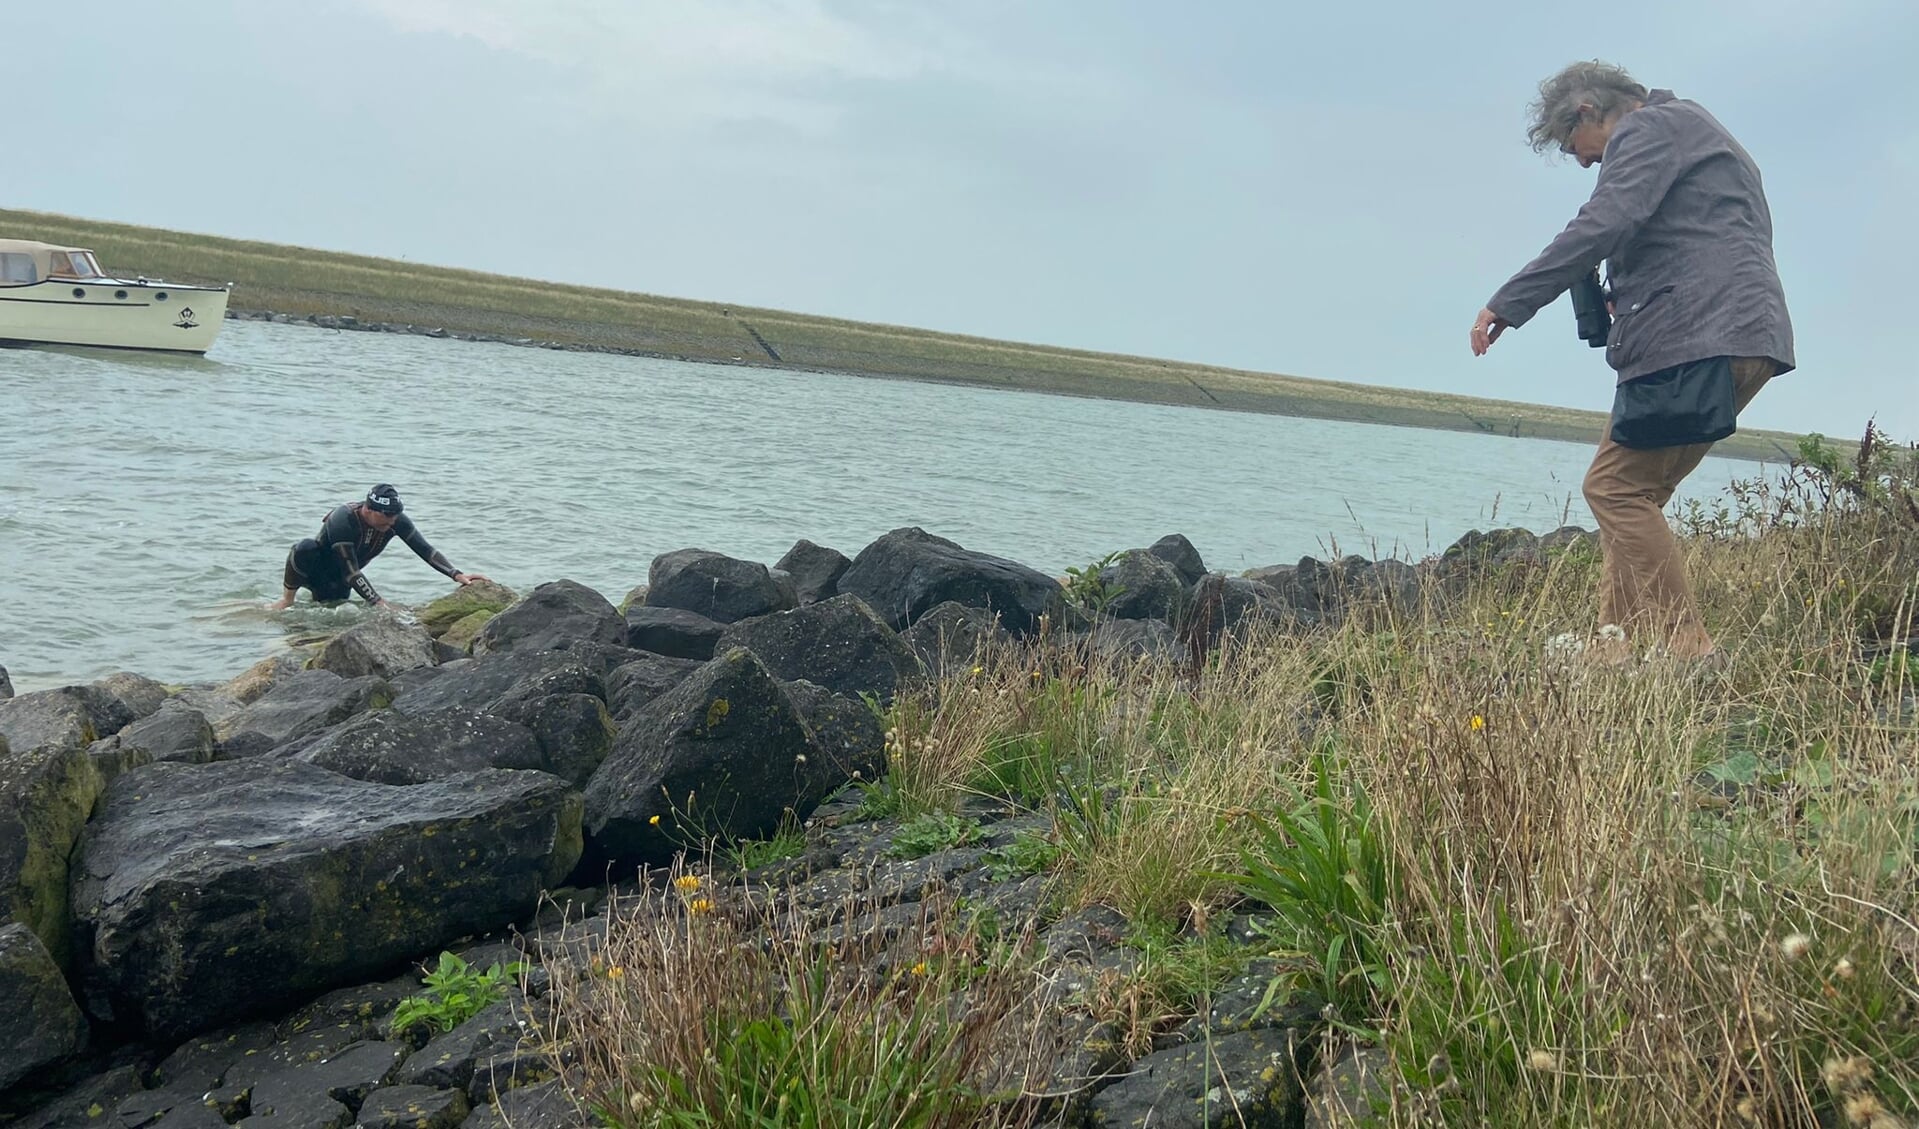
1533 891
301 282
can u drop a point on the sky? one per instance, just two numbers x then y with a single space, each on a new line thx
1327 190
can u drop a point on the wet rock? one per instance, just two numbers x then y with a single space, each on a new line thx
40 1024
480 597
719 587
461 635
304 1096
1247 1079
1148 587
510 1067
175 1109
672 631
46 794
393 748
954 636
838 643
381 646
908 572
203 1062
1177 551
175 732
305 703
815 569
634 686
136 695
730 738
412 1107
185 862
58 719
552 614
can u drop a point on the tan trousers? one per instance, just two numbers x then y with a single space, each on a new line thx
1642 585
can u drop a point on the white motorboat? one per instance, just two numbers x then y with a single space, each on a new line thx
59 296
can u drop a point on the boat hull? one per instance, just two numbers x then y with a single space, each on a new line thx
113 313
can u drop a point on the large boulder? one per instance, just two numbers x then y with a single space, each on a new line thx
634 686
1124 639
549 616
381 646
719 587
1220 604
137 696
674 632
845 731
46 793
724 753
838 643
574 731
481 596
815 569
1325 592
305 703
1177 551
40 1024
954 636
1148 587
485 682
1245 1079
908 572
385 747
175 732
58 718
205 893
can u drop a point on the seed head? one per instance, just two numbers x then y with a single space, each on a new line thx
1794 945
1542 1061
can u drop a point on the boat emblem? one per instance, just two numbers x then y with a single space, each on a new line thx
186 318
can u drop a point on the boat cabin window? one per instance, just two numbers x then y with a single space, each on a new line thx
16 269
74 264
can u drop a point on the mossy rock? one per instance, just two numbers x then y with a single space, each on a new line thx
480 596
463 631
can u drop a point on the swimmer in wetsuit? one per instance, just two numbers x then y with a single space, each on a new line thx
332 565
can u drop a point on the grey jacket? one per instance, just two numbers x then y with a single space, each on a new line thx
1681 216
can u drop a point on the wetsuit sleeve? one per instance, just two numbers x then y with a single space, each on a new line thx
410 533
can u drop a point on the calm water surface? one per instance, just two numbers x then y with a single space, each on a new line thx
147 502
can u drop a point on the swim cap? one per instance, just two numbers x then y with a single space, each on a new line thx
384 498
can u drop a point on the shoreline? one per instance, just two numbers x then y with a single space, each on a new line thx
279 283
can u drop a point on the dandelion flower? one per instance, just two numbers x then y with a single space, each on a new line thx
699 906
654 820
687 883
978 669
1542 1061
616 973
1478 723
1794 946
919 969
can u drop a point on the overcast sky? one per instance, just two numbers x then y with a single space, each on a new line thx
1330 190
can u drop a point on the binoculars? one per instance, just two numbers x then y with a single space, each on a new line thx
1589 309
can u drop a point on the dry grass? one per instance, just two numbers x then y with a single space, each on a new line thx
302 281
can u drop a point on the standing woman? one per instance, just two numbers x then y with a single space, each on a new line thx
1680 218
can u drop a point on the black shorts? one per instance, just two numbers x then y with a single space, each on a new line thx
313 566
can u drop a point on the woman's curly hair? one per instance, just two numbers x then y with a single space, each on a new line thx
1555 112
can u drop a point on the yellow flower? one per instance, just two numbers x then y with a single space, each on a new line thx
687 883
919 969
699 906
655 821
978 669
1478 723
615 973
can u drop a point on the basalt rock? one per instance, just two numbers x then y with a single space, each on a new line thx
208 893
908 572
721 588
551 615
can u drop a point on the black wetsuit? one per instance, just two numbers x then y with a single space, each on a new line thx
332 564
